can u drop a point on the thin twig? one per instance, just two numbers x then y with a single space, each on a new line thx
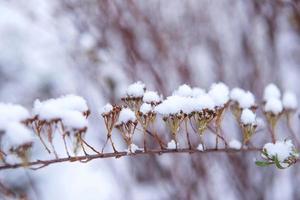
43 163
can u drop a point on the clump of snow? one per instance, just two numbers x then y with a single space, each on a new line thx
151 97
273 105
12 113
205 101
146 108
136 89
235 144
46 110
73 102
126 115
271 92
55 108
196 92
107 109
184 91
247 100
200 147
189 105
289 101
74 119
170 106
236 94
69 108
248 117
282 149
243 98
133 148
219 92
172 144
177 104
16 134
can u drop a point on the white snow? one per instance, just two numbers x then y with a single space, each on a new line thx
235 144
74 119
172 144
47 110
73 102
170 106
271 91
219 92
247 100
146 108
183 91
126 115
175 104
68 108
189 105
289 101
133 148
12 113
248 117
136 89
236 94
151 97
282 149
55 108
16 134
196 92
107 109
274 106
243 98
205 101
200 147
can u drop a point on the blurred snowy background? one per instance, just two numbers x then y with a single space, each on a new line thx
95 48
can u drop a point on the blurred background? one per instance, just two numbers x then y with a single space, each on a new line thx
95 48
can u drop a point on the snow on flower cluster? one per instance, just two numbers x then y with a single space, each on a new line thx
146 108
70 109
219 92
136 89
245 99
282 149
107 109
271 91
12 124
187 100
151 97
289 101
126 115
282 153
273 102
16 122
248 117
274 106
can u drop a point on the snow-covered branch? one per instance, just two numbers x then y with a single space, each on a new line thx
185 110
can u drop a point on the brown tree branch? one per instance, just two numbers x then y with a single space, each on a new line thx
38 164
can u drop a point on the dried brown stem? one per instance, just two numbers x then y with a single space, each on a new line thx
44 163
187 134
290 129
